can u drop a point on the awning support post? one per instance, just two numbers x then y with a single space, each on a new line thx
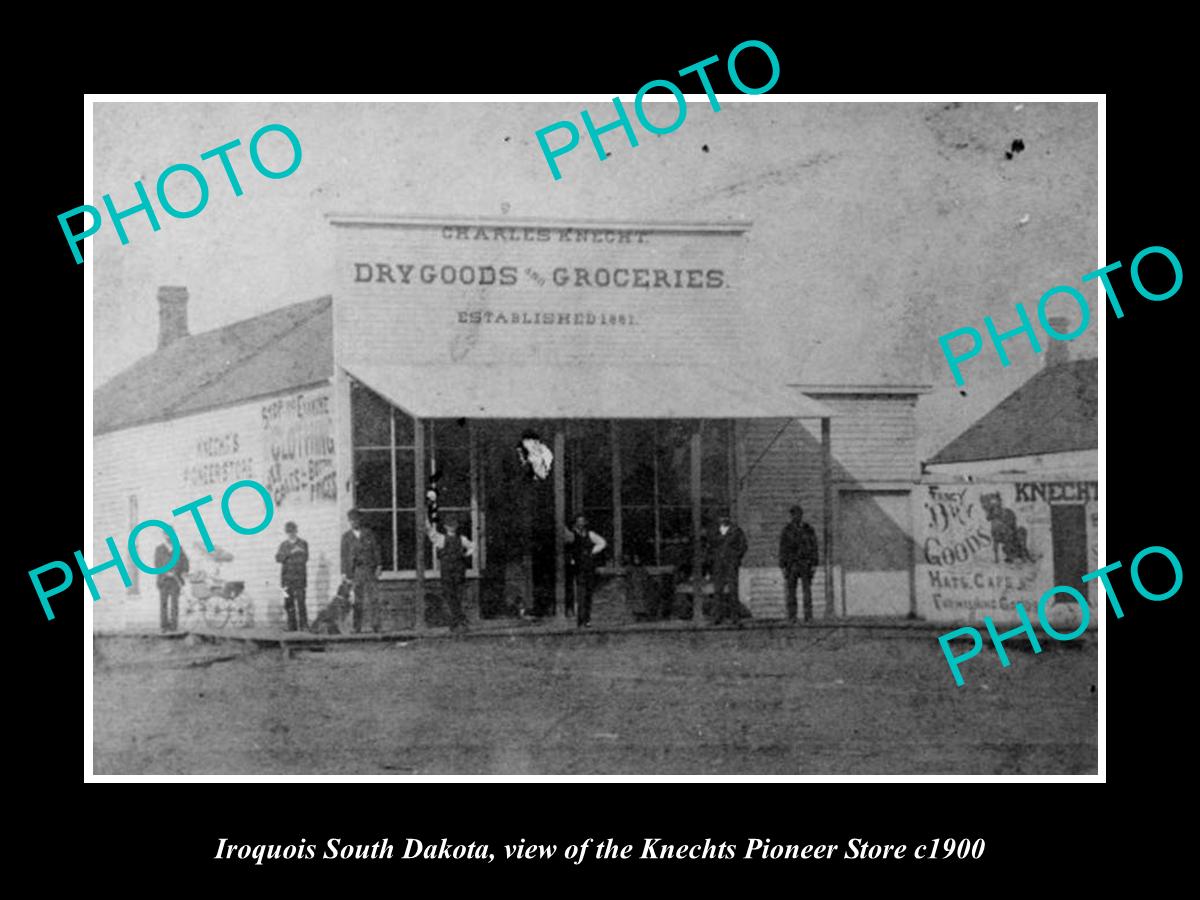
419 514
560 526
618 555
697 560
827 513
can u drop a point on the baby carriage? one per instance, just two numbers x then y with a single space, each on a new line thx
216 598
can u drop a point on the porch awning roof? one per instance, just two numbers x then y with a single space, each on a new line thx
517 391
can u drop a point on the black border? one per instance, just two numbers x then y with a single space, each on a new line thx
172 830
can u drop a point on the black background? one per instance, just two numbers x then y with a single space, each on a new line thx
1036 833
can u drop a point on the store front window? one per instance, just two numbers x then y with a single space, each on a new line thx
630 478
384 441
376 493
656 491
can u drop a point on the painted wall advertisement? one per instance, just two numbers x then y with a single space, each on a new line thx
981 547
298 449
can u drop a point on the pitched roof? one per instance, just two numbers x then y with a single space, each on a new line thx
1052 412
285 348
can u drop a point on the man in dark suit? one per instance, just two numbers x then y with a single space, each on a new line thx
293 555
360 566
169 583
798 558
726 550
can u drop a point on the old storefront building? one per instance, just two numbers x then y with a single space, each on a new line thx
1010 507
618 347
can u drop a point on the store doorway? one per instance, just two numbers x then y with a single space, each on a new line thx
874 551
1068 531
518 524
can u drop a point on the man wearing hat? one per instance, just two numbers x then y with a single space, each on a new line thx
452 551
169 582
725 554
798 558
360 566
293 555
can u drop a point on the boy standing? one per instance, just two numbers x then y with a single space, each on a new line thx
293 555
169 582
452 551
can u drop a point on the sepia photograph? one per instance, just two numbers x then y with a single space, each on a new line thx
433 441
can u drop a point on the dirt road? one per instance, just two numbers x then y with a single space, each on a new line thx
763 701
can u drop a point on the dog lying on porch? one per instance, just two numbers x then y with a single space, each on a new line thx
335 617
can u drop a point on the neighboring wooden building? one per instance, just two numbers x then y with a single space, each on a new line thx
1010 508
250 400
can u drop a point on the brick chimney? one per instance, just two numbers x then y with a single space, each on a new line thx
172 315
1058 352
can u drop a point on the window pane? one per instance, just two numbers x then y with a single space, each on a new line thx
451 433
373 479
637 463
371 415
454 483
637 533
676 544
404 479
404 428
714 463
594 458
406 551
381 524
674 466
